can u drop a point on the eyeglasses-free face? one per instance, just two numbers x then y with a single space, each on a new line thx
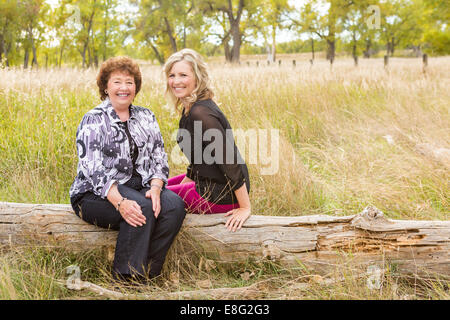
121 89
181 79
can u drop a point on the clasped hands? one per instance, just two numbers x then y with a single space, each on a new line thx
132 213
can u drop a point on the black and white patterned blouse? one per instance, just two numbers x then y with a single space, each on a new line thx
104 150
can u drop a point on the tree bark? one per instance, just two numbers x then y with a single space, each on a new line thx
227 50
236 36
392 46
274 43
234 31
26 57
158 55
331 49
86 41
367 52
61 50
105 30
173 41
354 50
2 46
319 242
33 49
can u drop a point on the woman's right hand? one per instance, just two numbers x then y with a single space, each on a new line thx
131 212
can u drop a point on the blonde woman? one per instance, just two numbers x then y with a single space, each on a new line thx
217 179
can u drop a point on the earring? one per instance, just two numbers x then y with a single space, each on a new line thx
106 91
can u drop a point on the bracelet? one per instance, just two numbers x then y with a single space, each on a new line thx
156 185
120 202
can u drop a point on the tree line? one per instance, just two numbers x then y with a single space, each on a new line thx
85 32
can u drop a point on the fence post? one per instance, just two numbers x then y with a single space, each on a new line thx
425 62
386 61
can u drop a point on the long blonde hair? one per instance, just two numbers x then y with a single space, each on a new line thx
202 89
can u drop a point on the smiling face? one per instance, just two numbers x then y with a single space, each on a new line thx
121 89
181 79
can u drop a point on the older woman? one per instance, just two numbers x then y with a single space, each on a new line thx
217 178
122 172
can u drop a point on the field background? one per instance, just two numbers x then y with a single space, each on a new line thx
349 137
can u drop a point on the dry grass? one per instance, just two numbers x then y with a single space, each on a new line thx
348 137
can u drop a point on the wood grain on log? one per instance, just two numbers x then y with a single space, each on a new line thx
319 242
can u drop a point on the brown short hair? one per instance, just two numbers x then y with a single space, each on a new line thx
111 65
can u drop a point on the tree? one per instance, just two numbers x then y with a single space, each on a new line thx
308 23
437 33
109 22
165 25
87 12
65 21
233 11
325 19
32 32
219 20
356 23
32 13
9 30
273 12
402 24
370 29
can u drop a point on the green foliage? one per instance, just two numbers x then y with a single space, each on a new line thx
438 42
298 46
84 33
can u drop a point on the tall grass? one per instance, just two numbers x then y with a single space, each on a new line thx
42 274
349 137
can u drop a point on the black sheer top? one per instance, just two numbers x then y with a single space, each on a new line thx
205 137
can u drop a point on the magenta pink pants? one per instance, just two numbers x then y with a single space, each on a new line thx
193 201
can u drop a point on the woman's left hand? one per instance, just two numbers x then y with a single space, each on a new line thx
237 219
155 194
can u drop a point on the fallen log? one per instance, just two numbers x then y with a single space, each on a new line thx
318 242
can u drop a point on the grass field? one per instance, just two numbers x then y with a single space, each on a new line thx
348 137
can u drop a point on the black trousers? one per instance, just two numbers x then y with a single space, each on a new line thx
139 250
